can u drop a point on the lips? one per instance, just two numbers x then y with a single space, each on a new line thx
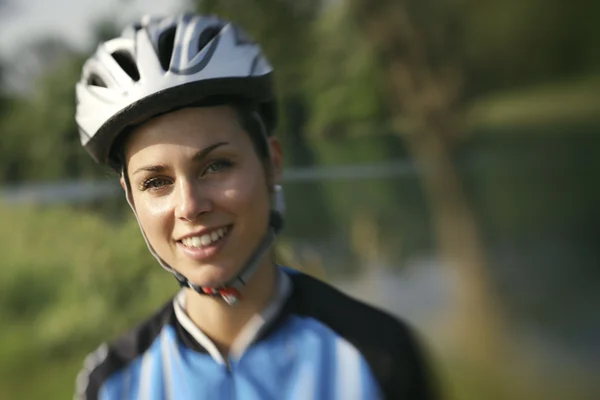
203 247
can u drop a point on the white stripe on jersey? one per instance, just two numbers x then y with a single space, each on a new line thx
348 376
89 364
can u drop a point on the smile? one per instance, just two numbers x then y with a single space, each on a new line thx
206 239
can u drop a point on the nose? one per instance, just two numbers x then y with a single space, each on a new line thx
191 201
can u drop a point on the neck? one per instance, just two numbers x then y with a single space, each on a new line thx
221 322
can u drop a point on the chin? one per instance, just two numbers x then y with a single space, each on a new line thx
209 275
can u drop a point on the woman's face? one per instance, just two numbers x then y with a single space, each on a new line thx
200 191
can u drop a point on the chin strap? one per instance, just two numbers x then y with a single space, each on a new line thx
230 291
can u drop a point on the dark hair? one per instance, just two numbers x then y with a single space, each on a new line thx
247 114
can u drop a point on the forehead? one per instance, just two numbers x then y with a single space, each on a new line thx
194 127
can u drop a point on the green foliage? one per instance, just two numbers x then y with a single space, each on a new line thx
344 90
512 43
284 30
40 138
68 281
396 204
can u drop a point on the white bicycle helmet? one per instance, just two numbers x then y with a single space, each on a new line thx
164 64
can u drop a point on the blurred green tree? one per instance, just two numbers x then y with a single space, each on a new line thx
435 59
40 136
3 4
39 127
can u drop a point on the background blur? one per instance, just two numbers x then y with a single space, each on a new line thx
442 164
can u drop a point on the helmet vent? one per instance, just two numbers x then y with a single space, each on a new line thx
166 41
126 62
95 80
207 35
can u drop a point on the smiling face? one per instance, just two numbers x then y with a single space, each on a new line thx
200 191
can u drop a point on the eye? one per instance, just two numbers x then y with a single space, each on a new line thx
217 166
154 183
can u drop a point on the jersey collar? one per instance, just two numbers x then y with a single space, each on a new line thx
194 338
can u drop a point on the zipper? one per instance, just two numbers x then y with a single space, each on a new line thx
231 385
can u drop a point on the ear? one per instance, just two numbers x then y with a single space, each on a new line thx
276 160
123 184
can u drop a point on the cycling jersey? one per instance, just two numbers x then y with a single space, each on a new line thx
310 342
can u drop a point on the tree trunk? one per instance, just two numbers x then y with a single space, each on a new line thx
423 80
478 322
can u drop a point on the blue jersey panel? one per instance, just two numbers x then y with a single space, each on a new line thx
303 360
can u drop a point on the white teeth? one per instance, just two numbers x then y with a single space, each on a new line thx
205 240
196 242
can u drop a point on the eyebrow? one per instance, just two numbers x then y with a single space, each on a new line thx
197 157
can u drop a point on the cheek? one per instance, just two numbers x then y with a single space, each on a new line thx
153 215
246 195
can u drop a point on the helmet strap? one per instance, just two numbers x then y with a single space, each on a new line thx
230 291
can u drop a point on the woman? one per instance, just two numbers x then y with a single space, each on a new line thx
183 109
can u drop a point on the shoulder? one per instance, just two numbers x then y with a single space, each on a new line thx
389 345
343 314
111 358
